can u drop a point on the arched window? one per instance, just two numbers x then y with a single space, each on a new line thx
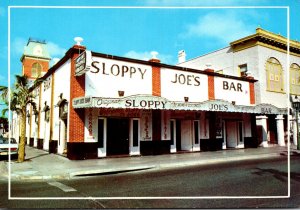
295 79
36 70
274 75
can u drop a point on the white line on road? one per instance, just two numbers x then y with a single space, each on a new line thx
61 186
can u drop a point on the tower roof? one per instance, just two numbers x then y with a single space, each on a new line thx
37 49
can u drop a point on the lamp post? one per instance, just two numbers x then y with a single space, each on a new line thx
296 106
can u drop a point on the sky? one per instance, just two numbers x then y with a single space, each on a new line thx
135 28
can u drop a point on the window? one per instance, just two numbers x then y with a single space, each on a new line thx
47 115
295 79
243 70
274 75
63 110
36 70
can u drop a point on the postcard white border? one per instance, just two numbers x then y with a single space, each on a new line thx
153 7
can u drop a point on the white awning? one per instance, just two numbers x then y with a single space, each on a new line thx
155 102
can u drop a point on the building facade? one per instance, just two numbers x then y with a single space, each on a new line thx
264 56
92 105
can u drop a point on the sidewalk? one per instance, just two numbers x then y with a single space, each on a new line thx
40 164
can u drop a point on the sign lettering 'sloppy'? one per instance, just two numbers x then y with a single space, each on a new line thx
145 104
117 70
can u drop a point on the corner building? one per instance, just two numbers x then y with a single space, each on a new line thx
93 105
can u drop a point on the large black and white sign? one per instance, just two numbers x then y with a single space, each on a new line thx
83 63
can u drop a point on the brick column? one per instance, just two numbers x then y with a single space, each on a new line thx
77 89
252 91
211 85
156 82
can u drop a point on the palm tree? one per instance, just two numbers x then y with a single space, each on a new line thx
20 96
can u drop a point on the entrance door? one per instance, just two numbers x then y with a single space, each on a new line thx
186 135
117 136
178 135
231 134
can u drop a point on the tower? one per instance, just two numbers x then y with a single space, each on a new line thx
35 59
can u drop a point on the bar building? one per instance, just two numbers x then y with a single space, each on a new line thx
92 105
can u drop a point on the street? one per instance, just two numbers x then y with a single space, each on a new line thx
265 177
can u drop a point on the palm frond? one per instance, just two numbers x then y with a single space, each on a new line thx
21 81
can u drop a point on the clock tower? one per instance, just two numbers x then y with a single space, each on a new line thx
35 59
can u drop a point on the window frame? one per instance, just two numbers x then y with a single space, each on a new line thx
294 67
36 69
273 66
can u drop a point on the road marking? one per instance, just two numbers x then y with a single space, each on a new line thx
61 186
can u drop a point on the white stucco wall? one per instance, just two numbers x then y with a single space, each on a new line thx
61 85
175 85
108 76
219 60
44 125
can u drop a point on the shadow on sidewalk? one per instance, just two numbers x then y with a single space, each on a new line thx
29 159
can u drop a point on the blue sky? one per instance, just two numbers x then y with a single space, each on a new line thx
135 32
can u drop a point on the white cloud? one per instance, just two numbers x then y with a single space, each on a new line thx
168 59
17 46
55 50
225 27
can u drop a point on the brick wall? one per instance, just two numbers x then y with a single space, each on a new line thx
28 62
211 85
252 92
77 89
156 81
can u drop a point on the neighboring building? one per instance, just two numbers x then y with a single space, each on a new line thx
262 55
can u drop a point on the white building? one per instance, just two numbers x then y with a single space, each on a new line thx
92 105
264 56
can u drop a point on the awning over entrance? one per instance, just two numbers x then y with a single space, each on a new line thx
155 102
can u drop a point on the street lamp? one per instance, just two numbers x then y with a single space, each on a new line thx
296 106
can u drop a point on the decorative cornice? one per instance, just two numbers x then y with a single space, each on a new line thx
266 38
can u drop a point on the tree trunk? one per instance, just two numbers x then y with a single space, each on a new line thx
21 153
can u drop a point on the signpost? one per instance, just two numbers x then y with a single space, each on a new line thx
296 106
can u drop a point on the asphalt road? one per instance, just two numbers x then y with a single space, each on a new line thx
266 177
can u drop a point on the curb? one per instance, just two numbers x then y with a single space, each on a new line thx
110 171
216 161
158 166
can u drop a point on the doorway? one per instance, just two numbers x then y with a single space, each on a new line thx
117 136
178 135
231 134
234 134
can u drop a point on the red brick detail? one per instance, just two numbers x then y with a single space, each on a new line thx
252 92
27 66
156 79
77 89
211 87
